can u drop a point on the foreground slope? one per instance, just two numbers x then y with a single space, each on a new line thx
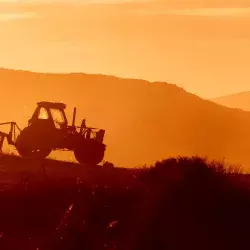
15 169
179 203
238 100
144 121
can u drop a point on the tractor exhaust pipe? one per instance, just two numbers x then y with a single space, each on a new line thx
74 117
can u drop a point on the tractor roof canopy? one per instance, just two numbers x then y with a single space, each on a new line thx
53 105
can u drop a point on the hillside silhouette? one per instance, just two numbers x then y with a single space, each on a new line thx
145 121
177 203
238 100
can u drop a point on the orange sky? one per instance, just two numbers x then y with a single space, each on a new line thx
202 46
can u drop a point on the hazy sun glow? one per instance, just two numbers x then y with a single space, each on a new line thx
212 12
208 41
5 17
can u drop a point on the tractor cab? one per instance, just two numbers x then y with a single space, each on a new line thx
49 115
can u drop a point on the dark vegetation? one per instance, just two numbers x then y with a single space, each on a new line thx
179 203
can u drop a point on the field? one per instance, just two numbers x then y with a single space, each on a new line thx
182 203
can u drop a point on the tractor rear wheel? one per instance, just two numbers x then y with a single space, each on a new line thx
34 153
91 153
26 145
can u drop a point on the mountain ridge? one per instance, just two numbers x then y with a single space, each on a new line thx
239 100
144 121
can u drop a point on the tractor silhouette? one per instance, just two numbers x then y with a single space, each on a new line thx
48 130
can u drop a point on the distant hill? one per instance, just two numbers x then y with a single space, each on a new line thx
145 121
239 100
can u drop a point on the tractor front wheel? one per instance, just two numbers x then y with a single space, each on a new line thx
90 153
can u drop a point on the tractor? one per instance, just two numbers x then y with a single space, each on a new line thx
48 130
